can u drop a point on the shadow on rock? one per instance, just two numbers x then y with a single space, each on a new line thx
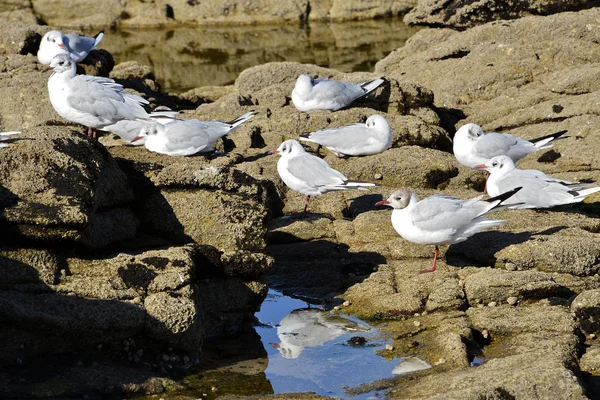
482 247
319 269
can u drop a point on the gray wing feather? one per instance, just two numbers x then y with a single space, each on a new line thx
446 213
348 134
315 171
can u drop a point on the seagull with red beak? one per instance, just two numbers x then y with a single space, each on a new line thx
439 219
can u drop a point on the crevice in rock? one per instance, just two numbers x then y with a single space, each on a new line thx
170 13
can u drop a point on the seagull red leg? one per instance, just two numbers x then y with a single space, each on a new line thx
435 256
306 204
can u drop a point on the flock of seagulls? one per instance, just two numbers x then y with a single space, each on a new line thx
102 104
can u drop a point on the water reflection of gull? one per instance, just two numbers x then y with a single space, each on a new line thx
311 327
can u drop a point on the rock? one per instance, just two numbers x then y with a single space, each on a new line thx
586 308
89 14
590 370
72 191
460 14
497 286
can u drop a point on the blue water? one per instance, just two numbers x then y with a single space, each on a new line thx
319 358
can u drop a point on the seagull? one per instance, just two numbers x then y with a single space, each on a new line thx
130 129
184 137
91 101
439 219
372 137
328 94
5 136
472 146
76 46
308 174
539 190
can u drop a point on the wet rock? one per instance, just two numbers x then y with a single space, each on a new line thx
459 14
586 308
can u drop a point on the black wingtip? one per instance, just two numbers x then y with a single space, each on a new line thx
504 196
553 135
305 134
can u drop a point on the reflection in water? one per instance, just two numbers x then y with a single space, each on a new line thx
311 327
186 57
312 353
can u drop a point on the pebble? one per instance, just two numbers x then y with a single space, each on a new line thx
492 304
389 347
346 303
512 301
510 266
417 323
485 334
337 308
378 177
592 336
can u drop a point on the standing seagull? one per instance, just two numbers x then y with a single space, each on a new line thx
76 46
308 174
92 101
372 137
539 190
184 137
472 146
5 136
327 94
440 219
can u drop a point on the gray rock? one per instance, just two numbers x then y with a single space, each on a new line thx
586 308
460 14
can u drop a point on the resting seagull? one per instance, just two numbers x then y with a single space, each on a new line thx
310 175
76 46
539 190
372 137
328 94
91 101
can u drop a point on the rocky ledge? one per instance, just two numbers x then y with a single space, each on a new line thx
106 243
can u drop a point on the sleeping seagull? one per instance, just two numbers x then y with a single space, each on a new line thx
184 137
76 46
372 137
308 174
439 219
91 101
539 190
328 94
130 129
472 146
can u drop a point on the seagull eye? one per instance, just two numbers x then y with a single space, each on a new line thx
495 164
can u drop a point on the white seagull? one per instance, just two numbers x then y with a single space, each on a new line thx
76 46
130 129
328 94
440 219
372 137
473 146
308 174
91 101
539 190
5 136
184 137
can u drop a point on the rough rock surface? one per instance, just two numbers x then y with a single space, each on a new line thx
461 14
181 246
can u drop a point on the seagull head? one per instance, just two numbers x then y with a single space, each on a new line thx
469 131
378 123
148 129
398 200
289 148
54 38
60 63
304 84
498 165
